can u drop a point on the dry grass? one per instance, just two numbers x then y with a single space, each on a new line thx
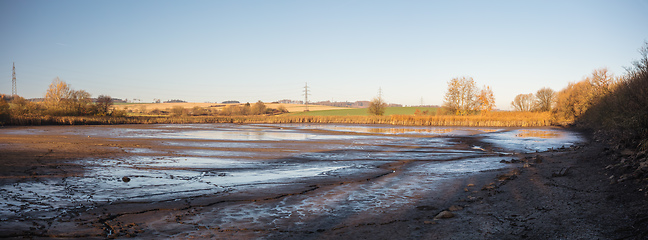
498 119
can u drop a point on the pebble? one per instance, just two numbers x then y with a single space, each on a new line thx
444 214
126 179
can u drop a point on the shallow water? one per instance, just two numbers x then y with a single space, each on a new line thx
212 159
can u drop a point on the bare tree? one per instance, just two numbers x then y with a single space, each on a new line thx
461 96
78 101
523 102
377 106
104 104
545 98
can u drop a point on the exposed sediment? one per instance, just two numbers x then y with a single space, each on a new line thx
563 193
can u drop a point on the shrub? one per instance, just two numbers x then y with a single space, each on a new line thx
178 111
259 108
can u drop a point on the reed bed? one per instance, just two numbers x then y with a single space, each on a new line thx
494 119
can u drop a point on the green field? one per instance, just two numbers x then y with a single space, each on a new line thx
364 112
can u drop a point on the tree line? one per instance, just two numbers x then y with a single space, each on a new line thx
60 100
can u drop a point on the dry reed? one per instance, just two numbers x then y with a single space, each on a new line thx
494 119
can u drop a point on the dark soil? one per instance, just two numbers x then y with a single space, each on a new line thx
562 194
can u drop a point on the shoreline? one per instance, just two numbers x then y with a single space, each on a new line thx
559 194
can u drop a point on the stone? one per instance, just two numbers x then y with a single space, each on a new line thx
455 208
444 214
126 179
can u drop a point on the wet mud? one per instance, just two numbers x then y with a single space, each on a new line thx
273 181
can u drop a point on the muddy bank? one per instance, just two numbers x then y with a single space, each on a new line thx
352 183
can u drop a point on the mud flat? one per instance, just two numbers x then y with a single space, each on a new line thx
284 181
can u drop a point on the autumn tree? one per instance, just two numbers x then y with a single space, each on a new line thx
486 99
602 82
573 101
377 106
545 97
523 102
57 92
461 96
4 111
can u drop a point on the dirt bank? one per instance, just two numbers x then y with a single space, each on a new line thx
561 194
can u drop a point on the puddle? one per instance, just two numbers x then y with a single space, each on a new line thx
532 140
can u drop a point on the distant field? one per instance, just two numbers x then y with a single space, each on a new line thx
164 106
363 111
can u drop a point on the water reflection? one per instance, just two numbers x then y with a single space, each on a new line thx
537 134
224 158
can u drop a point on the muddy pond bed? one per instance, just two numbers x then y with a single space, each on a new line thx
244 181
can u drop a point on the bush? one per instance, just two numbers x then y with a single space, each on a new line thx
178 111
624 107
198 111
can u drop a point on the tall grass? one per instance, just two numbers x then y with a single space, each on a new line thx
495 119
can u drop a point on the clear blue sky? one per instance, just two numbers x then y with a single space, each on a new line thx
267 50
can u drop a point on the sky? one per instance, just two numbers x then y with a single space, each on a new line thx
213 51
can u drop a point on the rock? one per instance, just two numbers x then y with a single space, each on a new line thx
455 208
490 186
504 161
444 214
126 179
471 185
429 222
